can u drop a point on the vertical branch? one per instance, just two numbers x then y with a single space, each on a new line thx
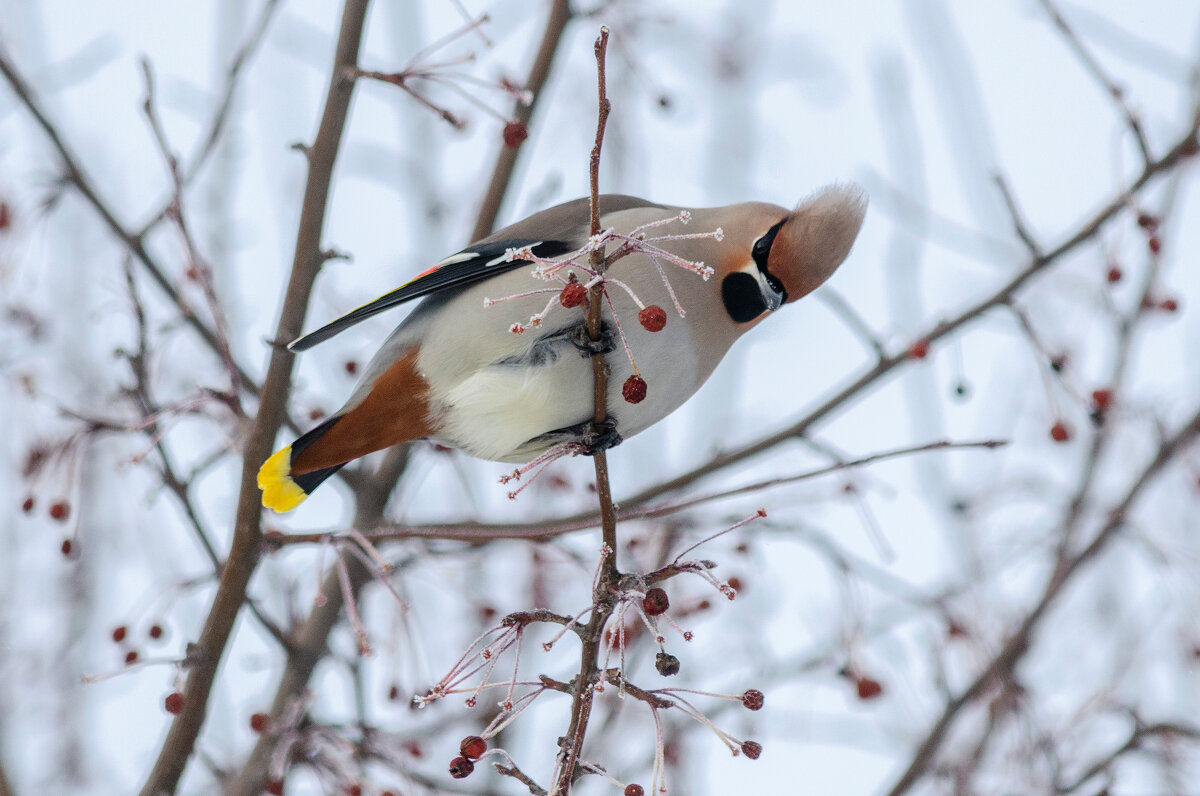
595 299
247 536
584 685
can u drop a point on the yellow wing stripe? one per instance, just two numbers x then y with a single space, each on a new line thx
280 492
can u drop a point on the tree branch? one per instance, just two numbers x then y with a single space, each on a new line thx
1186 147
247 538
584 691
506 161
1001 667
74 175
371 496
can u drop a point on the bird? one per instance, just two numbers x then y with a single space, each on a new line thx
492 363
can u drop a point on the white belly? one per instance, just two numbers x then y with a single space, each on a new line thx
495 411
491 395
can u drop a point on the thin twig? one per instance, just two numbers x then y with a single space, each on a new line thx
1002 665
584 694
506 160
1094 68
220 118
1136 740
511 770
854 322
74 175
542 531
1186 147
1018 220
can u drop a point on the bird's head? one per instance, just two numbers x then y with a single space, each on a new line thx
789 255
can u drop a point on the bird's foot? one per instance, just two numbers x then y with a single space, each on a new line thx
582 340
599 437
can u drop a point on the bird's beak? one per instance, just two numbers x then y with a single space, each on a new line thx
772 297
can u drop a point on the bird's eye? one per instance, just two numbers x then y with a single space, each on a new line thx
762 246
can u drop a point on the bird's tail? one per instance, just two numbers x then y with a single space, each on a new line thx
285 488
391 409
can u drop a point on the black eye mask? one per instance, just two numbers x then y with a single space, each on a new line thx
741 292
760 253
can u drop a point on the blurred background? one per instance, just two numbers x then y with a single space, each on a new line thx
1017 620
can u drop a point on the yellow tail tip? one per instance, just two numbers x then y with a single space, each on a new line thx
280 492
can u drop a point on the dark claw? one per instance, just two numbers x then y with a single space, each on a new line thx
587 346
597 437
592 437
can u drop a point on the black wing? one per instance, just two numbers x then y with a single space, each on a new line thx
481 261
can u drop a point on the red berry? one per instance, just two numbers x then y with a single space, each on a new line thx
354 790
735 583
955 630
751 749
118 634
461 767
351 367
918 350
274 787
634 790
155 631
414 749
655 602
1147 221
1102 400
514 134
67 547
5 217
472 747
1169 305
1114 274
653 318
1059 432
131 657
573 295
634 390
1155 244
752 698
316 414
394 692
27 506
60 510
174 703
259 721
867 688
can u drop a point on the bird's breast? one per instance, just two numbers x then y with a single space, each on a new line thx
494 391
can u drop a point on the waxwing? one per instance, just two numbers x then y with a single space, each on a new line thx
495 359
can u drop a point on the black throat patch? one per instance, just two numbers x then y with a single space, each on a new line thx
743 297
